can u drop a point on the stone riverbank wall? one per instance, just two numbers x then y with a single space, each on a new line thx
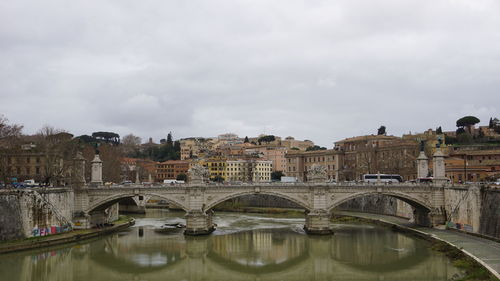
28 213
37 212
474 209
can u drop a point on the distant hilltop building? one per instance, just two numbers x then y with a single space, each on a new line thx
229 139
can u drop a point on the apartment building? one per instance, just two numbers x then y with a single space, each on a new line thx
249 170
298 163
373 154
169 170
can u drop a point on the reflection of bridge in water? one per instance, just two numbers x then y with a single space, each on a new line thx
318 199
266 254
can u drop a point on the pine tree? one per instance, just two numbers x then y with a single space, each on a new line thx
170 142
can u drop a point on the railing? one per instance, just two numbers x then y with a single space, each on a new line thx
280 184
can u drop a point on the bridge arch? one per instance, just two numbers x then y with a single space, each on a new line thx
106 202
411 200
288 197
422 209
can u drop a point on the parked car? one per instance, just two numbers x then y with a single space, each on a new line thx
31 183
19 185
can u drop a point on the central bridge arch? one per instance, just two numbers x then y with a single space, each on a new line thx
302 203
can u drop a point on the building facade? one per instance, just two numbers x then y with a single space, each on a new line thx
374 154
195 147
170 170
298 163
248 170
473 163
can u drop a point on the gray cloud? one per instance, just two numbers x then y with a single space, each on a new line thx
321 70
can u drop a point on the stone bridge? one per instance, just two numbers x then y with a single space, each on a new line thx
197 200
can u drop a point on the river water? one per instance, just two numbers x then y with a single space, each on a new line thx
244 247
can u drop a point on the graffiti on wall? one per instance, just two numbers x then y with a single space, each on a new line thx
44 231
460 226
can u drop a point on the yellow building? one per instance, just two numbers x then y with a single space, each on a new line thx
216 167
249 170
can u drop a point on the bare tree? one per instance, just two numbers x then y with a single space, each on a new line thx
130 144
58 149
10 135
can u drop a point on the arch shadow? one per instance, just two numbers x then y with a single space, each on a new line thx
421 209
111 200
245 193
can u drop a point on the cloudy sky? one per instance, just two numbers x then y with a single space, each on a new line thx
319 70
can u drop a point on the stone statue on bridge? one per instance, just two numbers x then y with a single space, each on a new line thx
197 174
317 173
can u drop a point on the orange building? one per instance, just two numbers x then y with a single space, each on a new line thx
169 170
473 163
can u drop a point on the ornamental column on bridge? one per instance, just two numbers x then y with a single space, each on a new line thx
438 167
422 163
318 218
96 172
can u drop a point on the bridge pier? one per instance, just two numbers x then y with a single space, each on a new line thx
199 223
318 223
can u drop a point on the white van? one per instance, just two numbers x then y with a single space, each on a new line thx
172 181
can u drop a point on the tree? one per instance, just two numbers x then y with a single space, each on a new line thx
9 130
315 148
131 145
10 135
217 179
107 137
169 140
464 138
294 148
246 140
467 122
131 140
381 130
85 139
276 175
439 131
490 125
266 139
58 148
181 177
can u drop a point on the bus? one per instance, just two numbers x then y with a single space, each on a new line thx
385 178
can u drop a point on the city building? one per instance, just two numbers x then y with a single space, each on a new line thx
473 163
299 162
171 169
216 167
195 147
274 153
292 143
133 168
249 170
228 139
431 139
373 154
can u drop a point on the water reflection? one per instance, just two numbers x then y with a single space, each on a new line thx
355 252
